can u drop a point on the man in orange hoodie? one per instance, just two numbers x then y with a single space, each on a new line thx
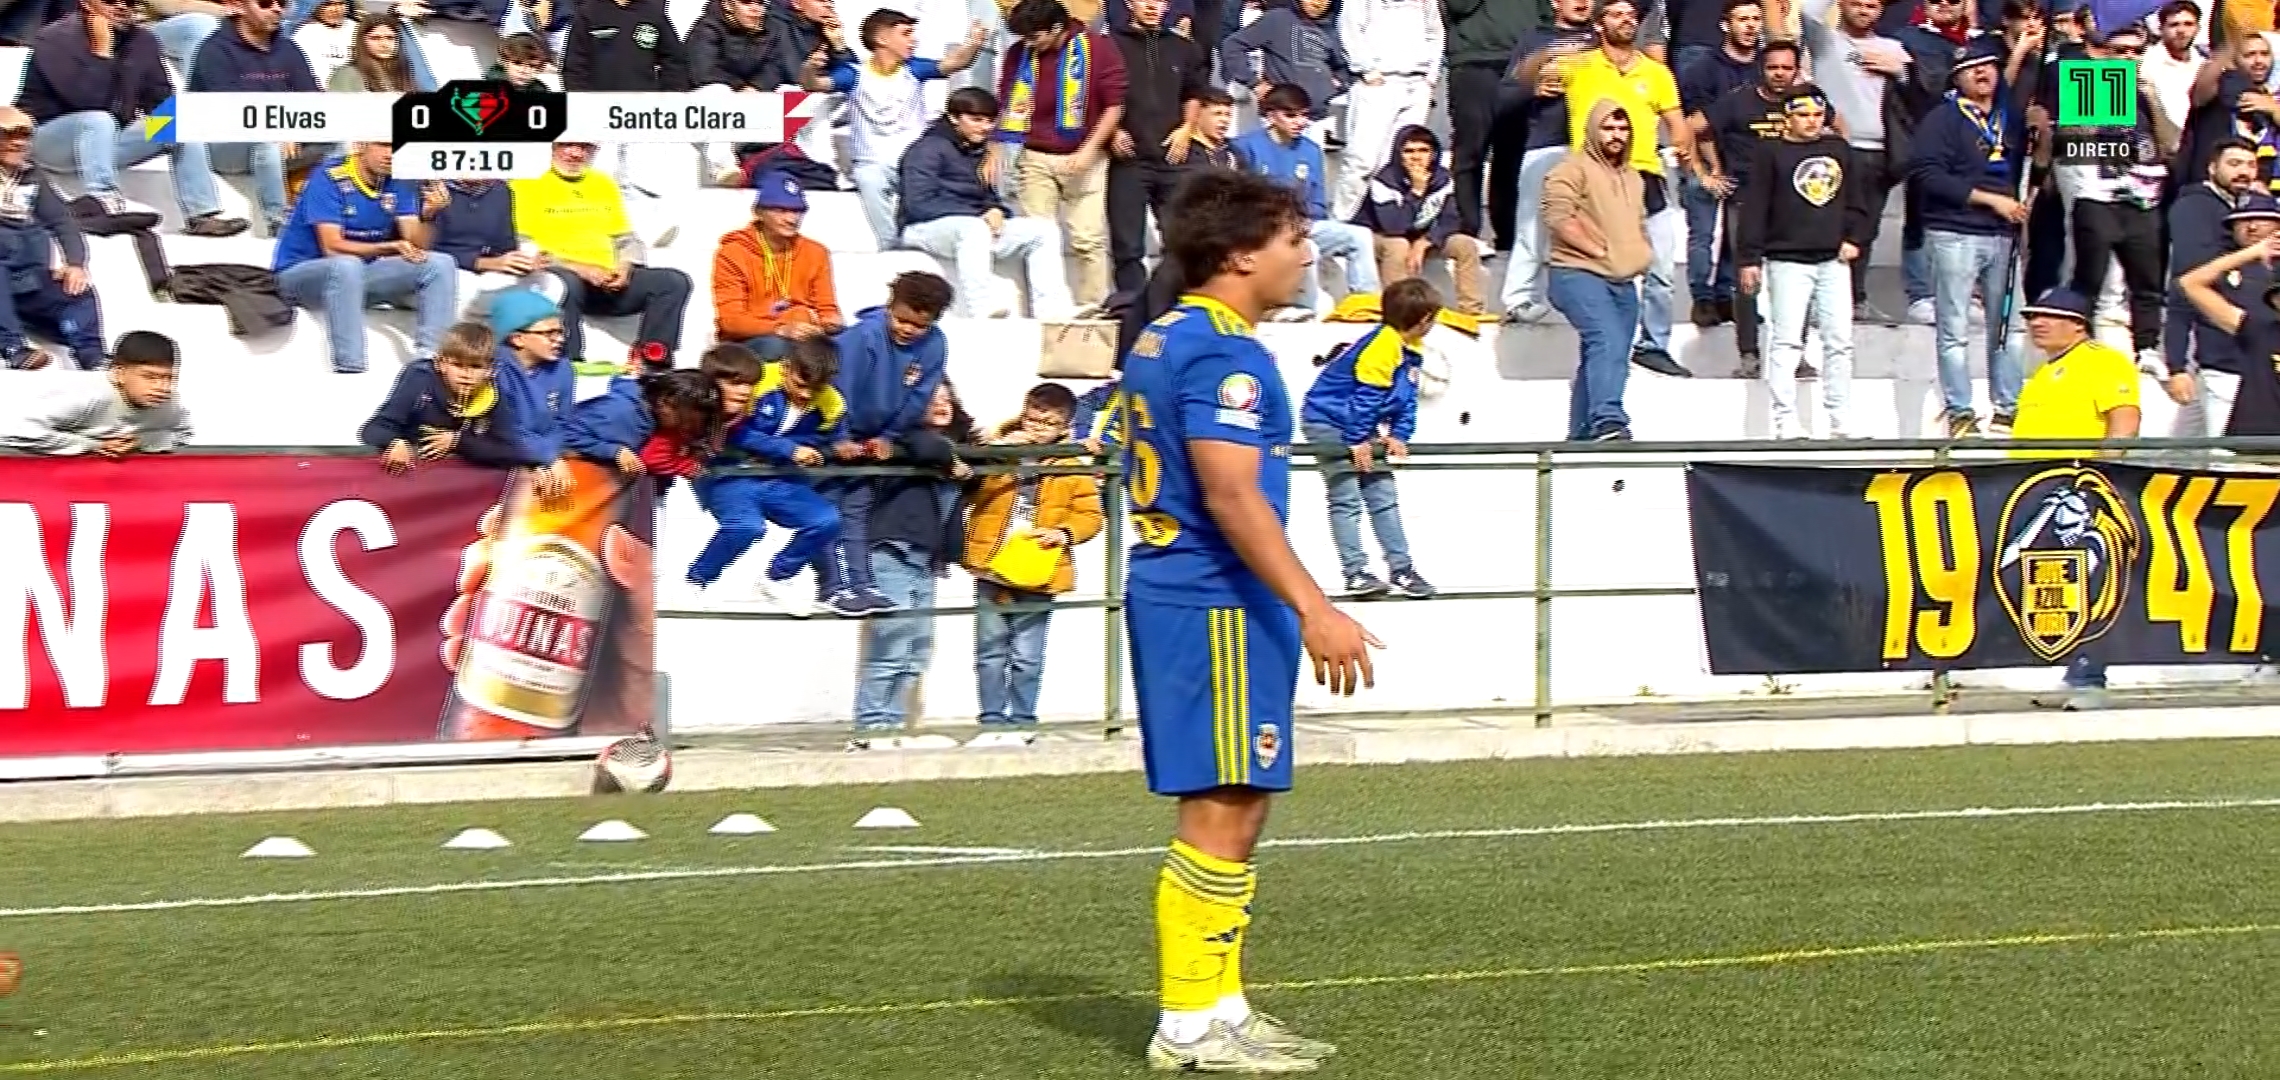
771 286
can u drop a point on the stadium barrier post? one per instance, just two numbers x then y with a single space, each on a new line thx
1544 466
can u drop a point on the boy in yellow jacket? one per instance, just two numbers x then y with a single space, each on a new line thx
1018 542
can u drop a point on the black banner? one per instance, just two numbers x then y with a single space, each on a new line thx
2015 564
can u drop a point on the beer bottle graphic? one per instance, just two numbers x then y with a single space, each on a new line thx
537 626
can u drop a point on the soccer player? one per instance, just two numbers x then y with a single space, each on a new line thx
1217 605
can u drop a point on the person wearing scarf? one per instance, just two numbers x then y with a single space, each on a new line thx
1063 89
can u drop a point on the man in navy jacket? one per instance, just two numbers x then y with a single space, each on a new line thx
250 56
91 79
949 213
477 231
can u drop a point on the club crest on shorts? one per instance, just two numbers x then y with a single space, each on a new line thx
1268 745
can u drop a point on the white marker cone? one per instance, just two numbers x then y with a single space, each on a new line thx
611 831
887 817
1002 738
476 840
278 847
742 825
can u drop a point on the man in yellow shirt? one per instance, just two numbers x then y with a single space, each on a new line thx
1617 70
577 217
2085 390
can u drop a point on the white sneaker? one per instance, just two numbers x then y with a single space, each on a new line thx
1528 313
2153 363
777 595
1922 312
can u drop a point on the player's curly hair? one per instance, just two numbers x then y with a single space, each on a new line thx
1218 214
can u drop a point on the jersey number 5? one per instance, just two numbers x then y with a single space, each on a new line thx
1156 528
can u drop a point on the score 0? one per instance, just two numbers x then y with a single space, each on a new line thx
490 112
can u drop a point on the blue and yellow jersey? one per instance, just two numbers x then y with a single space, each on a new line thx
1096 414
775 427
1369 384
1197 373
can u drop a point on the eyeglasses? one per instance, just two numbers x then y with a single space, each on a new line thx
557 332
268 5
12 134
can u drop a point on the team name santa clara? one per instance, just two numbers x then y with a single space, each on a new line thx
689 118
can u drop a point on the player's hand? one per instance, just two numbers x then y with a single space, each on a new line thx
1360 455
436 445
71 279
1340 649
808 456
2179 387
1748 279
397 458
846 450
118 446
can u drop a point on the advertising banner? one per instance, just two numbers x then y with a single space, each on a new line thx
178 604
2016 564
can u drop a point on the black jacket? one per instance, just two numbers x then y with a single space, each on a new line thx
1163 71
793 39
628 50
1798 205
2197 234
419 404
720 52
941 178
65 76
922 511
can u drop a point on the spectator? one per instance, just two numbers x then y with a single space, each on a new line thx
1711 75
890 361
446 407
1535 72
249 56
624 47
1595 212
2111 205
771 286
1063 88
1616 69
577 219
1727 135
730 53
524 62
1865 76
376 62
298 13
1796 228
359 235
1164 75
1297 44
1486 126
181 26
1935 29
2205 223
950 212
1208 147
1363 399
2245 313
799 29
2230 102
794 414
1019 541
1966 154
681 406
130 410
55 300
917 533
1394 50
328 39
2083 390
889 95
1096 423
477 231
1282 150
91 78
2173 62
1410 211
536 386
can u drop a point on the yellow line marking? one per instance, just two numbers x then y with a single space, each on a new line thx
1635 967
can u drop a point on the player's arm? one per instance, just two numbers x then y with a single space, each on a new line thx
1228 476
2200 285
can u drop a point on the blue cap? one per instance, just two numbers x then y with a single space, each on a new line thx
2060 303
2254 206
1984 49
515 310
779 191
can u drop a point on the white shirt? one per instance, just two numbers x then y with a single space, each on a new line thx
2172 79
1392 37
886 113
327 47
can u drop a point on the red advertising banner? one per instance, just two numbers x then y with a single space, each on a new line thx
190 603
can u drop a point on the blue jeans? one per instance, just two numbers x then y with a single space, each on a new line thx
265 162
342 286
896 648
1962 262
1348 243
92 145
1702 249
1009 653
1658 285
75 321
1605 314
1349 491
299 12
180 35
769 347
742 508
850 554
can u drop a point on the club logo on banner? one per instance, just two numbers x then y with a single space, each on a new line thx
2000 565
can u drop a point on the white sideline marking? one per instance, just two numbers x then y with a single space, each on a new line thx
904 850
1978 813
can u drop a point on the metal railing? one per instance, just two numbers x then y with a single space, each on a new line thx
1544 460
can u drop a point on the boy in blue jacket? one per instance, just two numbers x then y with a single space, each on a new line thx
447 407
795 415
1366 393
1095 424
681 406
536 383
890 361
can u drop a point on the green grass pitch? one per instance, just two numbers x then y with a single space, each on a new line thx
1444 922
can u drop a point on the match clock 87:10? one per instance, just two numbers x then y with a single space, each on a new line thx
480 112
459 161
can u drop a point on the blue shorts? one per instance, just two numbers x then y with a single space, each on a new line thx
1215 688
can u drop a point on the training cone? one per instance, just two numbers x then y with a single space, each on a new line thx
613 830
887 817
278 847
742 825
476 840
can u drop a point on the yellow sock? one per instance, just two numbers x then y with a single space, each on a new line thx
1201 906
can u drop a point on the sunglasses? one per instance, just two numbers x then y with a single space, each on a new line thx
267 5
13 134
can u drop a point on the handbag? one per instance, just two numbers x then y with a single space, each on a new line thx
1077 350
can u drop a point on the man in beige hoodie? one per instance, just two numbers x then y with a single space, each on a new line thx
1596 216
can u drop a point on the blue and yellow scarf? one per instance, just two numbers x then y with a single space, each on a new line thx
1069 120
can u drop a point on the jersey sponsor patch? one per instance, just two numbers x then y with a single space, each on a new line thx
1818 179
1240 392
1237 418
1149 345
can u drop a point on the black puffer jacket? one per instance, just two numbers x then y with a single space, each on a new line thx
722 52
